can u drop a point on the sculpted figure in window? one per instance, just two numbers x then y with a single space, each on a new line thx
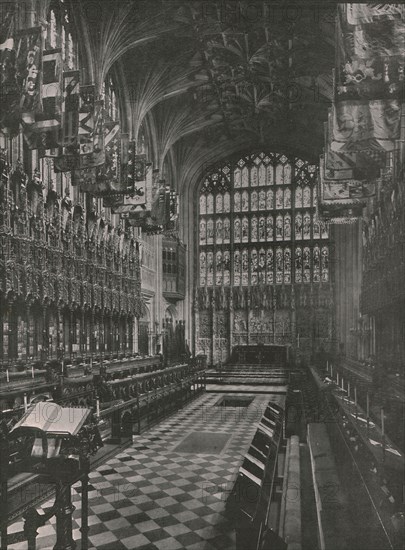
269 266
262 200
253 201
307 226
245 230
307 265
262 266
219 231
298 265
202 231
269 228
236 268
262 229
237 230
253 235
270 199
287 265
298 226
245 201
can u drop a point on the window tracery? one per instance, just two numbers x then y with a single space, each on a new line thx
266 199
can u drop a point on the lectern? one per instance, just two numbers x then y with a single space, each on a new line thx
62 441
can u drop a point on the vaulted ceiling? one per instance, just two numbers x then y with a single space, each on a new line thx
208 79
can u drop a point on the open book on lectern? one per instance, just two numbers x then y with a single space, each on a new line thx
53 419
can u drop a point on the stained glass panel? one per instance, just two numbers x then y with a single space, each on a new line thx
287 197
237 230
298 197
236 268
287 227
237 178
316 230
219 203
262 175
270 266
262 200
287 174
245 177
270 199
279 228
270 175
307 226
298 226
203 232
210 231
236 202
210 269
218 231
227 230
253 230
253 201
245 230
245 201
307 265
203 268
269 228
227 268
279 198
325 264
306 197
218 268
245 267
227 202
279 265
262 229
287 265
253 267
210 204
316 264
298 265
254 176
262 266
203 204
279 174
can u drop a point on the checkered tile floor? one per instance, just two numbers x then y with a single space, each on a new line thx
151 497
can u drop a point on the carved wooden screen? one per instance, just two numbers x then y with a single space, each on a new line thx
258 224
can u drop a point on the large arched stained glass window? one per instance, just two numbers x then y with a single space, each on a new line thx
258 225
